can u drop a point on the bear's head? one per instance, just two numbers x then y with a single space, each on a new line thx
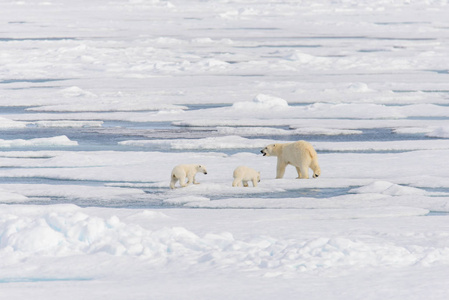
258 176
269 150
201 168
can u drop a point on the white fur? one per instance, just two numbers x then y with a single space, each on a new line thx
299 154
244 174
181 172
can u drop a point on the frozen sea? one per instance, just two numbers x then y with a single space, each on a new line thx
99 100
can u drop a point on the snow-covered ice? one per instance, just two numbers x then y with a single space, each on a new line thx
100 99
37 142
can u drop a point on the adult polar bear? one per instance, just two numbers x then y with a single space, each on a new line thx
299 154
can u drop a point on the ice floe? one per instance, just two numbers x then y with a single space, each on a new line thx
38 142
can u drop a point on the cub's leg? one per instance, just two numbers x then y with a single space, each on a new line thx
194 180
182 180
173 182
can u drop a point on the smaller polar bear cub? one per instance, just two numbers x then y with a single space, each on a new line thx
181 172
244 174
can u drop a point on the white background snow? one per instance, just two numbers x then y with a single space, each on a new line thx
99 100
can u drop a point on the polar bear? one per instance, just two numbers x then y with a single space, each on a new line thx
244 174
181 172
299 154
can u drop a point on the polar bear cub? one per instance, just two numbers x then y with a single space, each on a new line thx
181 172
299 154
244 174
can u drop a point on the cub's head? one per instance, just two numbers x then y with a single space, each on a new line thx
258 176
201 168
268 150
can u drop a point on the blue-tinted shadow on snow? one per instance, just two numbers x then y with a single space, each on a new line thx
433 213
296 193
42 279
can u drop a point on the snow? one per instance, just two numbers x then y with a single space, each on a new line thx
7 123
387 188
224 142
264 131
38 142
70 124
442 132
262 102
69 231
233 141
101 99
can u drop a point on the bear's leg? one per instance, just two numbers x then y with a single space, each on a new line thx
237 182
190 178
194 180
304 172
245 183
182 181
254 182
299 172
173 182
280 170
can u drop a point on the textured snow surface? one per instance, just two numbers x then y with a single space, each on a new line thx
99 100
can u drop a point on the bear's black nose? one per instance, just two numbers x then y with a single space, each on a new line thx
205 173
261 151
